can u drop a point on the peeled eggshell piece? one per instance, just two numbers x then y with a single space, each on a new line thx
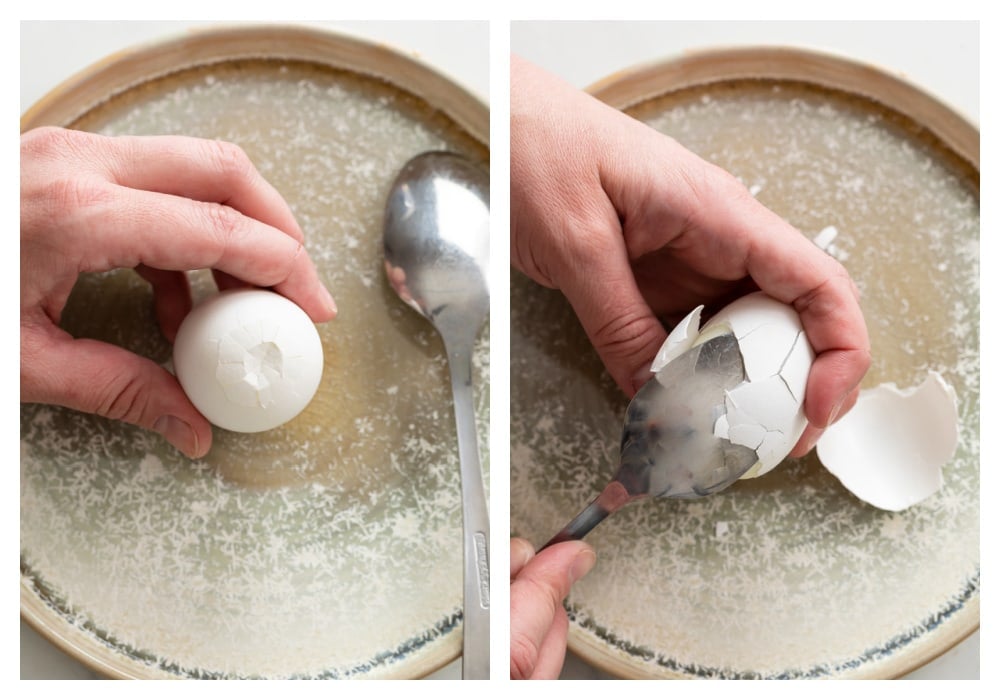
680 340
825 238
889 449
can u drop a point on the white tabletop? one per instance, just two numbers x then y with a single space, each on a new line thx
940 57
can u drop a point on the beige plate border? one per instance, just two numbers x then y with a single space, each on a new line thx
126 69
628 88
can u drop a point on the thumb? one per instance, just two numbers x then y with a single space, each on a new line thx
95 377
618 321
536 596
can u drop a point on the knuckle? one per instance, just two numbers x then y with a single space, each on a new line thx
79 195
523 656
832 296
122 398
715 182
624 336
57 143
293 263
225 223
230 161
66 203
44 140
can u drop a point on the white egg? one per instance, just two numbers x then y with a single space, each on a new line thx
249 359
765 412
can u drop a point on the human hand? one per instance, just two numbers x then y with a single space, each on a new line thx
538 622
632 227
161 205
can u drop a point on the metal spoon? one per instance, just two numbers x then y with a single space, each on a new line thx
668 447
436 241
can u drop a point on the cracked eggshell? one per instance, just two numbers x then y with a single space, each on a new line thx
889 449
681 339
249 359
765 412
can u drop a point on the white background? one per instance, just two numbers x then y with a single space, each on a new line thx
942 58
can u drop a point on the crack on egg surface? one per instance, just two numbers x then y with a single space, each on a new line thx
764 413
250 362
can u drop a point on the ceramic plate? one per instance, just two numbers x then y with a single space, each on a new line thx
330 547
788 575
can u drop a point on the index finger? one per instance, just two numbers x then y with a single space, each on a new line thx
218 172
201 169
129 227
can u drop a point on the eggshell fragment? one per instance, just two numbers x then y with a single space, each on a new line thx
681 339
248 359
824 239
890 448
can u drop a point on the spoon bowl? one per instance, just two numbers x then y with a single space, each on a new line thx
669 447
436 246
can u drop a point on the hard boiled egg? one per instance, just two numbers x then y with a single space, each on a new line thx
765 412
888 450
248 359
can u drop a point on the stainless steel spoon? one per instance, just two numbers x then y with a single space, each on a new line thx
436 241
668 447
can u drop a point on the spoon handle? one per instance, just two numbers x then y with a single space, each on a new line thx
613 497
475 522
585 521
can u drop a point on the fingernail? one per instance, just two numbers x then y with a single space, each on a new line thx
177 433
835 413
811 443
331 305
521 553
583 563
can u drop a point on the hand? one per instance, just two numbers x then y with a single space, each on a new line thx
632 227
538 623
161 205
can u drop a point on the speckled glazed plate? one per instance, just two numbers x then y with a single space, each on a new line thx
327 548
788 575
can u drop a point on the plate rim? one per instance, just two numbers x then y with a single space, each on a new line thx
175 52
698 68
